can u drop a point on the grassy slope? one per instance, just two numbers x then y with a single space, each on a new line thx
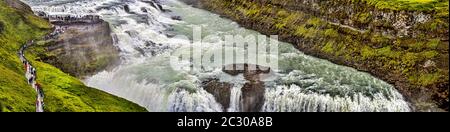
414 5
63 92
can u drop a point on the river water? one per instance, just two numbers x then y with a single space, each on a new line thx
144 34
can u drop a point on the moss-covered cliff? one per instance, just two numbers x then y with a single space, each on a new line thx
82 49
62 92
404 42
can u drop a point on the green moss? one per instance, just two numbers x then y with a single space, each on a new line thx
331 33
367 52
380 39
409 59
364 17
421 5
309 29
417 46
328 48
315 22
433 43
429 54
282 13
66 93
425 79
280 25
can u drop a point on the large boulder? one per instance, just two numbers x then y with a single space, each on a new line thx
83 49
220 90
251 72
252 97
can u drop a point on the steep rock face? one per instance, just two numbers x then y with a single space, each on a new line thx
405 44
252 97
83 48
17 4
220 90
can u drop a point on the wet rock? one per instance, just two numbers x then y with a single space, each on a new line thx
170 34
167 10
251 72
140 50
144 10
160 7
82 49
126 8
220 90
194 3
41 14
252 97
141 18
149 43
154 5
132 33
176 18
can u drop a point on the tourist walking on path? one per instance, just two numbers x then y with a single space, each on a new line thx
30 75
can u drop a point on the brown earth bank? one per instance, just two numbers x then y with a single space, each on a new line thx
405 47
18 5
81 49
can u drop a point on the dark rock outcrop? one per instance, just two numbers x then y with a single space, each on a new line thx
82 49
144 10
126 8
69 20
251 72
155 4
252 97
176 18
220 90
17 4
195 3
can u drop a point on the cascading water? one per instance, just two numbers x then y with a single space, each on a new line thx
144 34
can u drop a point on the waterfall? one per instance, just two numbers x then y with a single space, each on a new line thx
295 99
143 31
235 99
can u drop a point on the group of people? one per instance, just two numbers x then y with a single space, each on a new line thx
70 18
30 74
57 30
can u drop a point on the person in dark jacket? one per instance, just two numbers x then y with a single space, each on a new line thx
30 80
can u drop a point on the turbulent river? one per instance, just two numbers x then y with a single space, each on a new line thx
143 30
